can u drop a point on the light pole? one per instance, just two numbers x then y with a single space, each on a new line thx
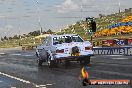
19 35
119 6
81 10
38 13
82 23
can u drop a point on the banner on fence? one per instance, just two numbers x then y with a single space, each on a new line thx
113 51
121 24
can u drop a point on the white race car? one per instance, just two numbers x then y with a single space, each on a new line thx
64 48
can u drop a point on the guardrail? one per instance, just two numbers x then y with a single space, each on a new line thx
126 50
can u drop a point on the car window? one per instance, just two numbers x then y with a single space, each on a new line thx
66 39
58 40
76 39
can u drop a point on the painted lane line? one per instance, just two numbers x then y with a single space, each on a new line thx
37 86
111 55
13 87
27 55
112 64
116 55
19 79
1 81
120 58
114 73
49 84
15 54
2 53
24 81
42 85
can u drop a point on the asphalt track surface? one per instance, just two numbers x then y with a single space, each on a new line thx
18 69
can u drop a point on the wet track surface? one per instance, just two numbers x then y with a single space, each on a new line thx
18 69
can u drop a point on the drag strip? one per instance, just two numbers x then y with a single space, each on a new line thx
20 67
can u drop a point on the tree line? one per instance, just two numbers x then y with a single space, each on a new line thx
34 33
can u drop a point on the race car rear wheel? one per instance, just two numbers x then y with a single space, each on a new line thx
52 64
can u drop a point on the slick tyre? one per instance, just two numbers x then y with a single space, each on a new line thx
52 64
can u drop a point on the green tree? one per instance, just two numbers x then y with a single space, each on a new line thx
34 33
15 37
5 38
44 32
2 39
49 32
19 36
10 38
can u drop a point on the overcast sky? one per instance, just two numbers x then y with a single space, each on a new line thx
22 16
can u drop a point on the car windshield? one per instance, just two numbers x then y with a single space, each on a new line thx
66 39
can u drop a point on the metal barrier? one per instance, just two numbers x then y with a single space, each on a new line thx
126 50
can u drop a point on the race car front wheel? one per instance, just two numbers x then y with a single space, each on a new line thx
52 63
